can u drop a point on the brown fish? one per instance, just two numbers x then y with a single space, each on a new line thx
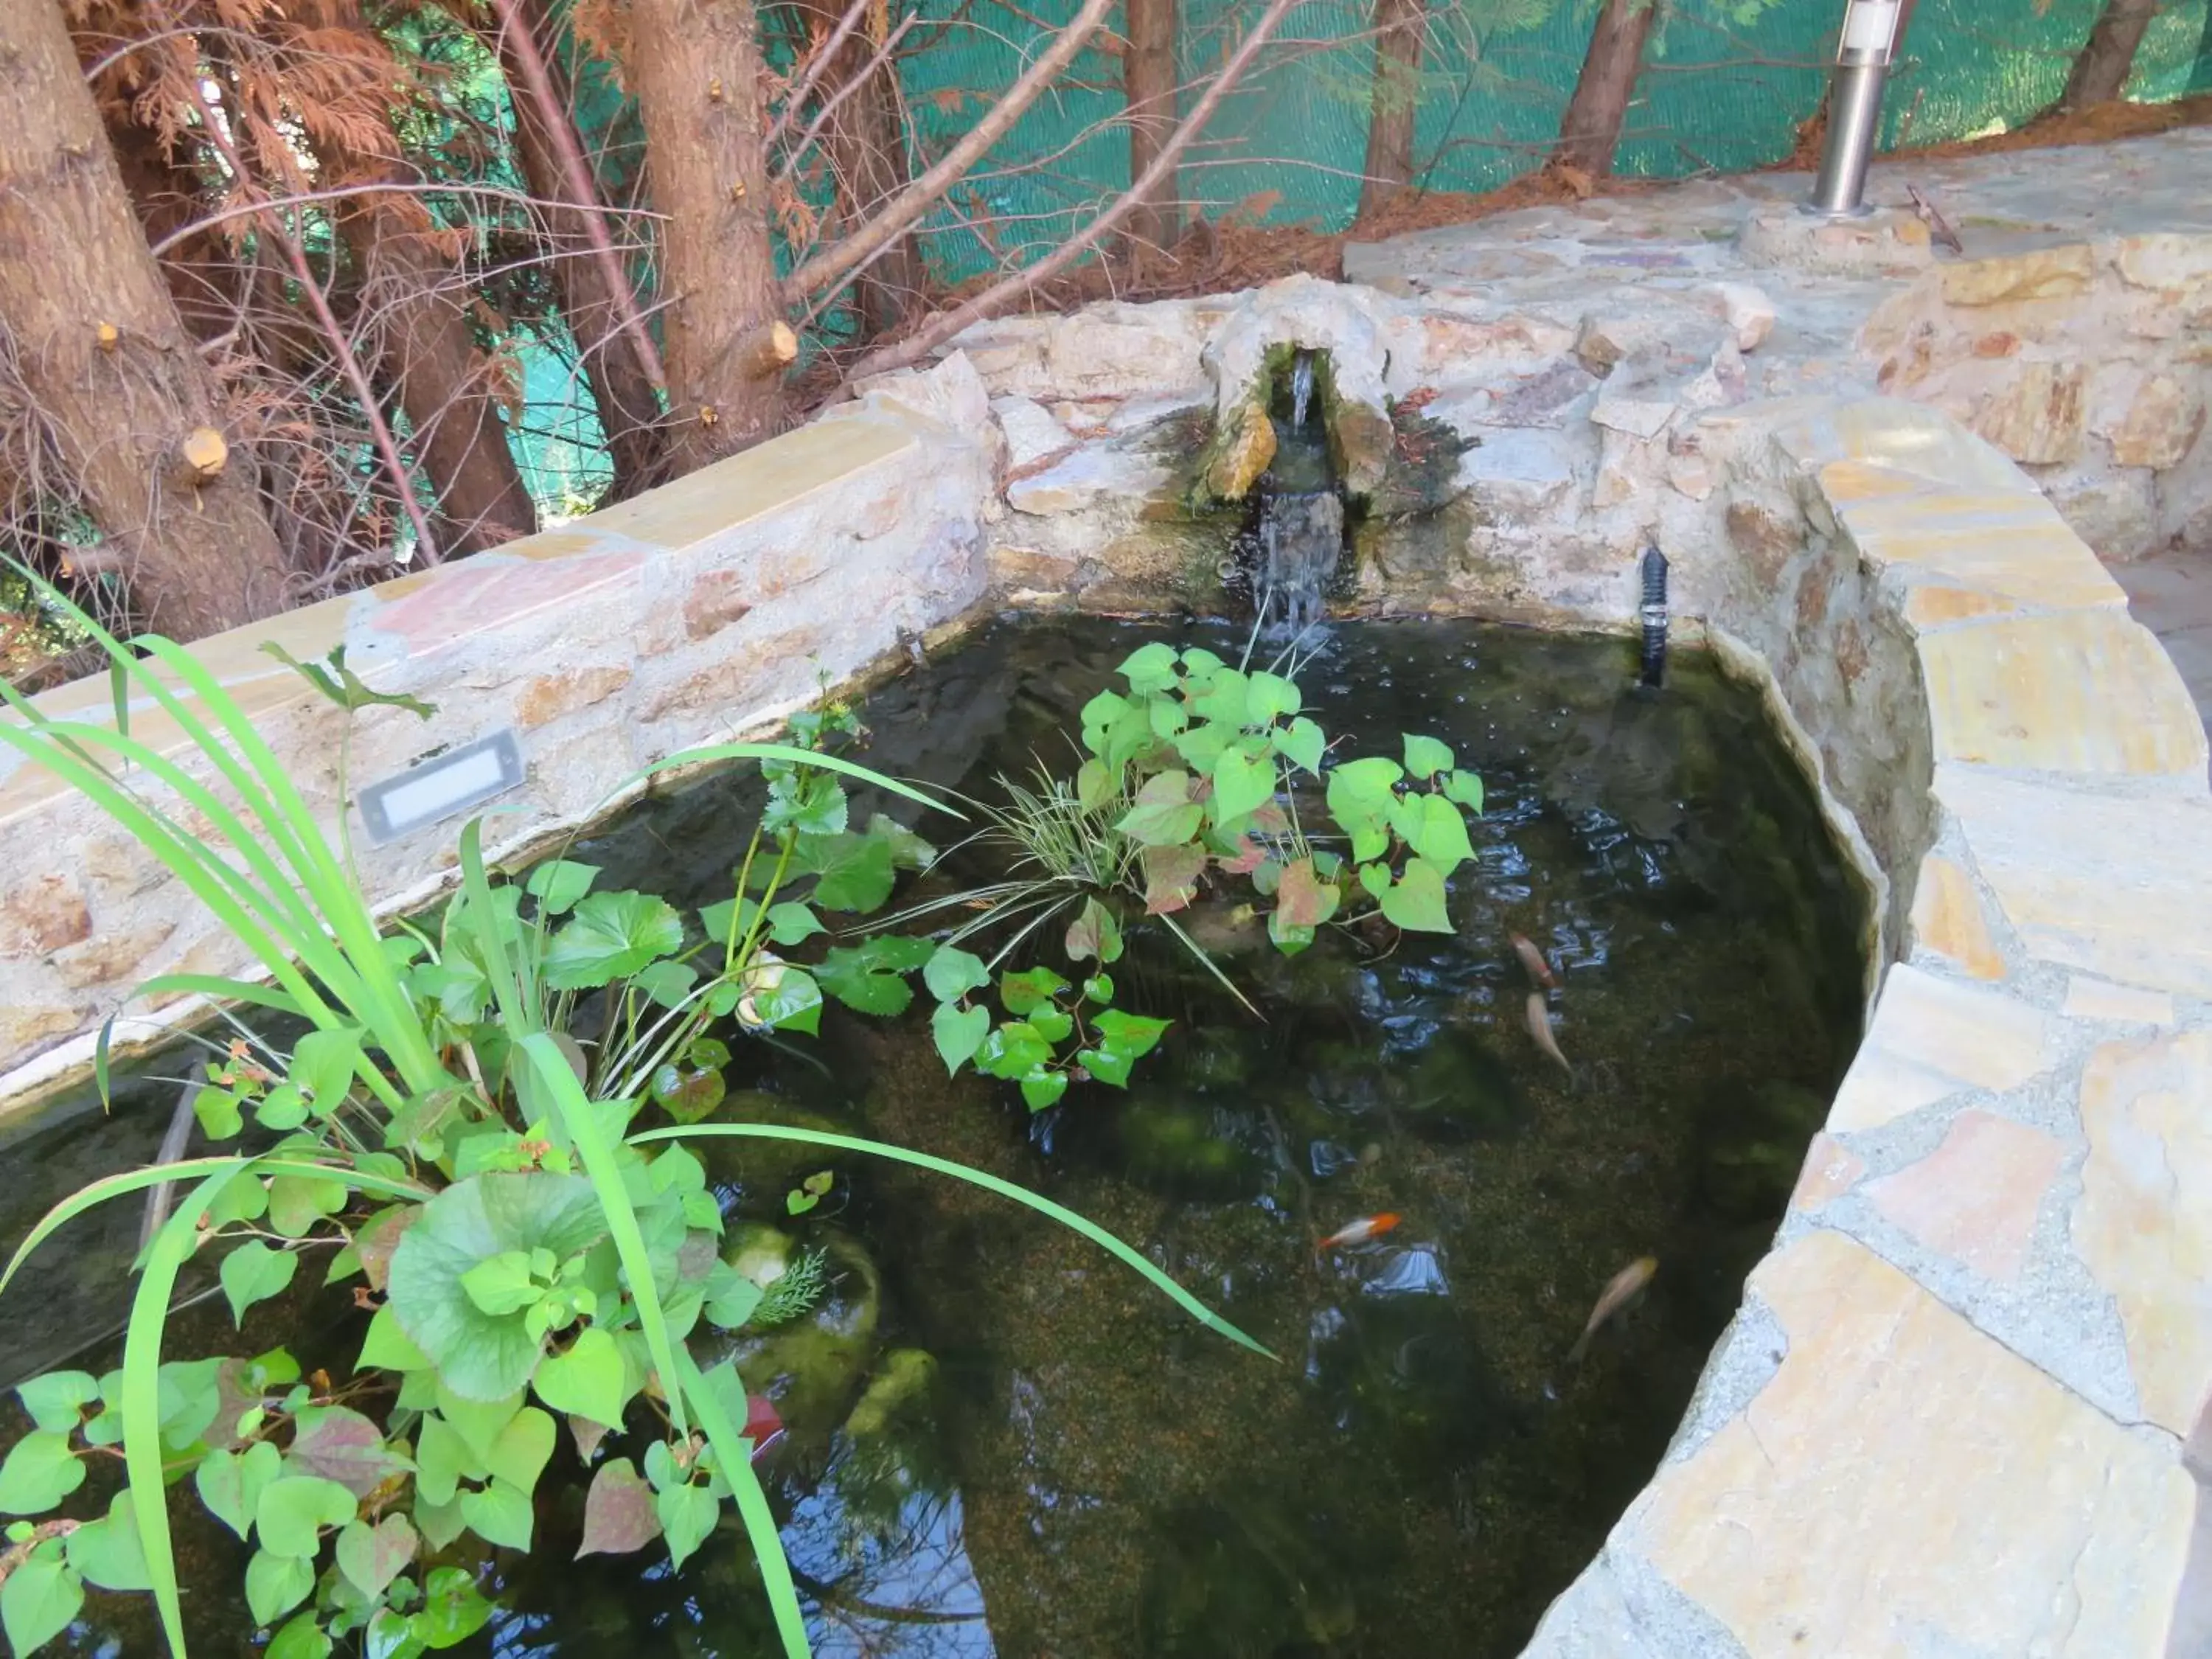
1533 960
1618 1295
1539 1027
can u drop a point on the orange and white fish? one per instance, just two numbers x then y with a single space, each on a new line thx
1539 1027
1618 1294
1532 959
1360 1232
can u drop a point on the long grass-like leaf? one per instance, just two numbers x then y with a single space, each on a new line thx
141 1401
732 1451
1211 966
217 989
481 923
781 752
552 1068
1043 1205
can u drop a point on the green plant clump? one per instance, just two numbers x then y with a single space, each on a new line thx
459 1135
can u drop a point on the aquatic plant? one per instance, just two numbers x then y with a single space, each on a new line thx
458 1124
1192 777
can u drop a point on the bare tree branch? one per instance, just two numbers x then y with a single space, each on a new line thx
947 324
918 197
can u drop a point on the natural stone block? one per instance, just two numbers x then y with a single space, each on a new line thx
1948 920
1519 473
1121 350
112 957
2112 885
2177 265
40 915
1906 1484
2058 273
1094 473
1975 1197
547 697
24 1027
2160 424
1032 434
1932 1038
2143 1223
1831 1170
2010 543
2113 510
1748 311
1243 453
2038 417
2085 691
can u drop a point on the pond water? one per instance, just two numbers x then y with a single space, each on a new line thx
1046 1458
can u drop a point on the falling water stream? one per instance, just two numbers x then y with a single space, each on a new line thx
1301 514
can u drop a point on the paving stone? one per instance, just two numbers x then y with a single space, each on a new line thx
1932 1038
2058 273
1948 920
2143 1223
1032 433
2115 887
1906 1486
1831 1170
1094 472
2097 998
2090 691
1975 1197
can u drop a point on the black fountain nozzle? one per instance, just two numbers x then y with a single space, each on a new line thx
1653 615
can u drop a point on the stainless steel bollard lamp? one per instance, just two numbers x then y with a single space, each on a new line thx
1863 60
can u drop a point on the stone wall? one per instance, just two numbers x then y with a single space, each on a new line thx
698 612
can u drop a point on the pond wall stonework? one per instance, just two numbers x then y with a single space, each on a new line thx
1966 1406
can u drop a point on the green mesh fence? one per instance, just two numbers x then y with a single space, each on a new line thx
1725 85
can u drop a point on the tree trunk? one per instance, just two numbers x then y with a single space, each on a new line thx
629 411
865 142
198 559
696 70
1149 81
2101 73
428 354
1589 132
1399 27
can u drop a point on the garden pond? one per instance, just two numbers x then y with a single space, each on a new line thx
999 1441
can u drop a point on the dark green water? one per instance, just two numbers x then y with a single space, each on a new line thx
1076 1471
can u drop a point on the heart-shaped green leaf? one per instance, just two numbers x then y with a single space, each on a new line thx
586 1381
340 1445
1164 813
1094 932
230 1483
499 1514
39 1599
1240 785
1416 902
56 1400
106 1552
558 884
1302 743
40 1472
1042 1088
958 1032
453 1609
1426 757
274 1584
687 1515
951 973
294 1507
372 1556
619 1514
303 1638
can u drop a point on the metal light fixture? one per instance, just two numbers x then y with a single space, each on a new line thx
1863 59
441 786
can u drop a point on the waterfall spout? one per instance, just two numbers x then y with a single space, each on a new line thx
1302 382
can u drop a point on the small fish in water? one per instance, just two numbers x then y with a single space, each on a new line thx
1618 1295
1360 1232
1539 1027
1533 960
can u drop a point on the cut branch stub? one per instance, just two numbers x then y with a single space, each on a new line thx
201 455
767 350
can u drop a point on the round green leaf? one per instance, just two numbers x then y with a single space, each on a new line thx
587 1381
481 1356
558 884
612 936
293 1511
274 1584
254 1273
40 1471
41 1596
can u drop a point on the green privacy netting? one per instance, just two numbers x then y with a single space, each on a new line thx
1725 85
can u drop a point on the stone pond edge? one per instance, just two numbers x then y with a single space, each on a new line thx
1988 1290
